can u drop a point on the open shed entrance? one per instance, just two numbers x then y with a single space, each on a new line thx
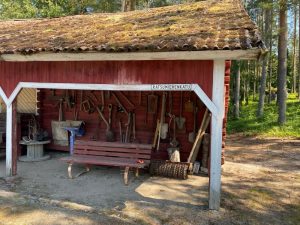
62 106
134 119
214 106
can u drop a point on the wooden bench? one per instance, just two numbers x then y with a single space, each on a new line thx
127 155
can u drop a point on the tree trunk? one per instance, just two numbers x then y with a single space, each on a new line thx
282 63
299 57
237 91
247 77
263 80
262 88
270 57
254 80
295 52
128 5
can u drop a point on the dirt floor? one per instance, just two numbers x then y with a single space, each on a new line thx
261 185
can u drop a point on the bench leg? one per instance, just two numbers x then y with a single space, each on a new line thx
126 175
87 169
70 170
137 172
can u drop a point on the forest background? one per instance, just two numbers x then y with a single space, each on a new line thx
265 94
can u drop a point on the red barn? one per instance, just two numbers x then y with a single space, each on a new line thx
182 51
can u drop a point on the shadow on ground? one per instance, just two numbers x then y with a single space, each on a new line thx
260 185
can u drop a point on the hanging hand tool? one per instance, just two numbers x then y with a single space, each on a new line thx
67 99
121 132
75 113
189 105
163 128
133 126
128 125
60 109
174 142
95 97
152 103
193 133
110 135
171 116
180 121
131 105
156 134
81 100
86 106
119 103
107 95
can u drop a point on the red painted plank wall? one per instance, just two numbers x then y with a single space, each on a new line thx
123 72
145 126
227 89
134 72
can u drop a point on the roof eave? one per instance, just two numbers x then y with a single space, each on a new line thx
250 54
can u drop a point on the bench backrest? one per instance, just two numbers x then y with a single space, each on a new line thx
114 149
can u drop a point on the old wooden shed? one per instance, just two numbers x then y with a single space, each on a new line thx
183 48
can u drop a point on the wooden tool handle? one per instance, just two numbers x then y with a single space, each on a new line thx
102 117
109 115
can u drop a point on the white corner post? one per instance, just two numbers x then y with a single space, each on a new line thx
9 118
216 135
9 126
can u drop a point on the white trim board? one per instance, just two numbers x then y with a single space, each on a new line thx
3 96
216 135
9 140
251 54
116 87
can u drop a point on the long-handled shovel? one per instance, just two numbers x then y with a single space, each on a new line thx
180 121
110 135
174 142
163 128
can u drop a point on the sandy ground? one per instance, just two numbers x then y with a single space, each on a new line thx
261 185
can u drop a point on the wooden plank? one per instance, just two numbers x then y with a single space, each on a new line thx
137 56
216 135
108 149
105 161
113 154
113 144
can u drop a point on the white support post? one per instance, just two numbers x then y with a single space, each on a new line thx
216 135
9 115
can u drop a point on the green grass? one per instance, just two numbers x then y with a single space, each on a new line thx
267 126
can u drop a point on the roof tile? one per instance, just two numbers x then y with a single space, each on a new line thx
204 25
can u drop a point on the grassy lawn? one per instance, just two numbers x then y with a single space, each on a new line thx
267 126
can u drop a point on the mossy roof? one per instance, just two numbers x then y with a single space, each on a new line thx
204 25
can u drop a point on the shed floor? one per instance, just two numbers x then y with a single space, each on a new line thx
103 187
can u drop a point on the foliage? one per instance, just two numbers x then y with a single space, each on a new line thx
22 9
267 125
17 9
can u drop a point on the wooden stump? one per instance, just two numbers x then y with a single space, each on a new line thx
35 151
